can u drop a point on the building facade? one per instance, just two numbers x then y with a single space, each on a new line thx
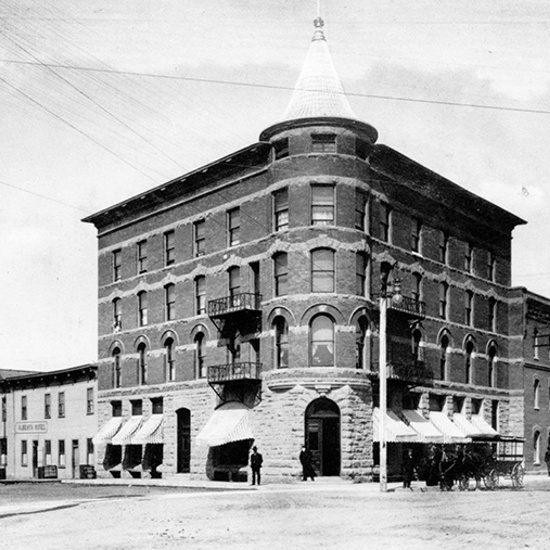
240 304
48 422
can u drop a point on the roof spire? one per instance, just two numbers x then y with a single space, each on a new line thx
318 92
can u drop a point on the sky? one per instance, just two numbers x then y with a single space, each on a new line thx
102 100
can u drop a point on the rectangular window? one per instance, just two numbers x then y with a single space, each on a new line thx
361 266
199 237
157 405
443 247
468 307
3 451
281 149
117 265
361 201
491 263
4 409
322 205
47 405
89 400
281 274
200 295
170 301
142 309
280 210
24 454
416 235
61 453
47 452
142 256
234 227
468 256
61 405
385 223
323 143
116 407
169 248
90 451
322 270
137 407
492 310
117 314
234 281
536 344
443 300
24 407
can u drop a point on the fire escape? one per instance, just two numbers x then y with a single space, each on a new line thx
237 317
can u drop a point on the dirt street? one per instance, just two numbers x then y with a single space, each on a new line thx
308 516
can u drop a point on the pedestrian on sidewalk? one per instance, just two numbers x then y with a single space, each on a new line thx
408 468
547 458
307 465
256 460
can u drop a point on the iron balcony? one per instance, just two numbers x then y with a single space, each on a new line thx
412 371
409 305
234 372
237 303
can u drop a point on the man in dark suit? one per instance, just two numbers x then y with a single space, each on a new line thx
256 461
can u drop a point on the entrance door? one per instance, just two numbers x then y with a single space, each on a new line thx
34 458
184 441
323 436
75 458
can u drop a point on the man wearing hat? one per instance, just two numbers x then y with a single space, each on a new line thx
256 460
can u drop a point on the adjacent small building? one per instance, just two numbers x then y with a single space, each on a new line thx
48 422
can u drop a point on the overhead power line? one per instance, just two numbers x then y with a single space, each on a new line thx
278 87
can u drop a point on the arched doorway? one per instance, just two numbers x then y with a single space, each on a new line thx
322 433
184 441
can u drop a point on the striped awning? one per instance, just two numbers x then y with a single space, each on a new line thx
150 431
484 427
451 432
465 426
124 436
426 431
230 422
395 429
106 433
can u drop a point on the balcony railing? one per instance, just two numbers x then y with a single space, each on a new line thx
244 301
413 371
233 372
408 305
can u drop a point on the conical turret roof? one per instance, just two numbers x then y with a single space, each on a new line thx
318 92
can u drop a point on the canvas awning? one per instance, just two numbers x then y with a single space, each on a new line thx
395 429
426 431
465 426
150 432
230 422
451 432
106 433
486 430
124 436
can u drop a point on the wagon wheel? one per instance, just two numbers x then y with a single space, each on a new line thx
463 482
491 480
517 476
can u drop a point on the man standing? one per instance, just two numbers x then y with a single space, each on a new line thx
307 466
547 458
256 460
408 469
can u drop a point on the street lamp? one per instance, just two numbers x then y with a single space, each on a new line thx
386 298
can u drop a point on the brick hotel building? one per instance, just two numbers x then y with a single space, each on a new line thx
239 305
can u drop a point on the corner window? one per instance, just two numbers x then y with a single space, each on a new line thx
142 256
322 205
322 270
322 341
169 248
280 327
280 209
234 227
361 270
280 265
323 143
117 265
361 204
199 238
281 148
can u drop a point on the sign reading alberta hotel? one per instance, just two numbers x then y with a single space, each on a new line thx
31 427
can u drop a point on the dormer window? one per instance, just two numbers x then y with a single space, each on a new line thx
323 143
280 148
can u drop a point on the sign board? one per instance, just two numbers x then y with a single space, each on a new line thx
31 427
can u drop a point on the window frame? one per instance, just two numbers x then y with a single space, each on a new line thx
170 302
281 214
200 294
117 264
143 316
386 222
280 273
313 342
141 251
170 362
234 226
90 401
444 300
281 347
324 142
61 404
169 247
321 276
199 238
47 406
321 203
24 408
416 235
199 355
142 363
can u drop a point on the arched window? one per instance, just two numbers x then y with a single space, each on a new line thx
142 308
170 364
142 363
200 367
536 447
362 355
491 362
322 270
322 341
468 366
416 345
536 394
443 351
117 314
280 269
280 327
117 374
